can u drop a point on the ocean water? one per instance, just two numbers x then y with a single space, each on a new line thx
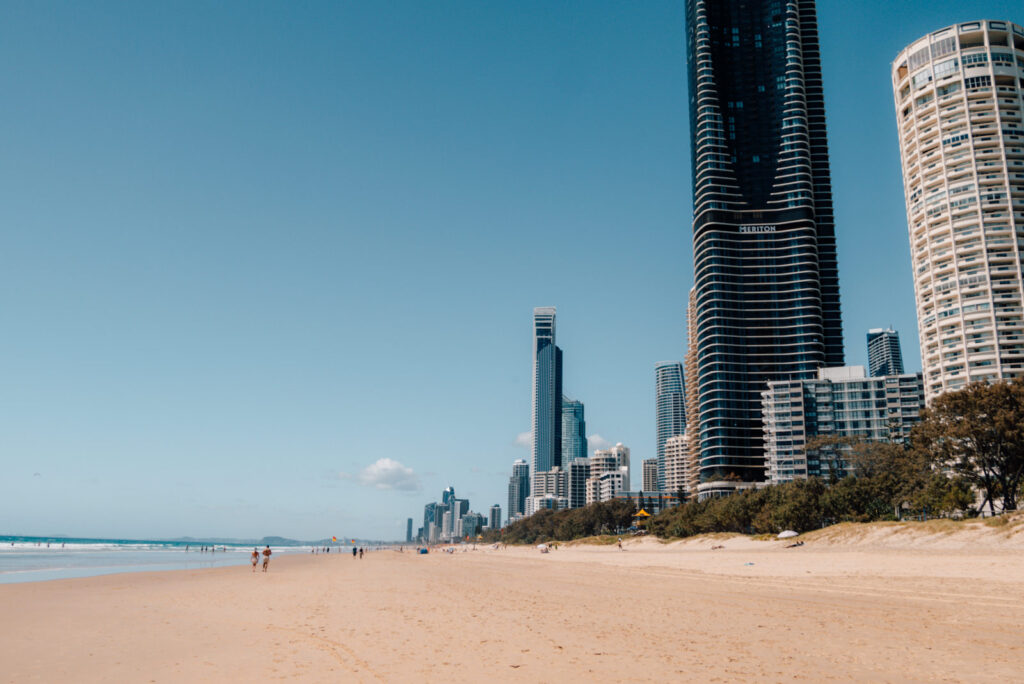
33 559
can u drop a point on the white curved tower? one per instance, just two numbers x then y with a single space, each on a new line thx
959 98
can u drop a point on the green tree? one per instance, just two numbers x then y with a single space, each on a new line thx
978 433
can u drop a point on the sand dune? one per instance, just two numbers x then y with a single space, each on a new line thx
863 609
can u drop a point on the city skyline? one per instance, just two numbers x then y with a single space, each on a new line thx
228 257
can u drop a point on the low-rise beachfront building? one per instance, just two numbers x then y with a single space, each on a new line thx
546 502
843 403
653 502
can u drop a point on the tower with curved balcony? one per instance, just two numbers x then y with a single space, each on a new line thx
670 404
959 95
765 273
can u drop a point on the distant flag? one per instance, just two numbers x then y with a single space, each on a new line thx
353 541
334 539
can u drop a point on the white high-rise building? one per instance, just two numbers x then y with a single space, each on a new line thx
447 525
677 452
615 458
959 95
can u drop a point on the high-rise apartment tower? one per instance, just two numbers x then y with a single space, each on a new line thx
670 403
765 271
574 431
518 489
547 392
959 95
884 355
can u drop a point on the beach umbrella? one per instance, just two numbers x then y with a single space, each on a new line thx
642 514
788 534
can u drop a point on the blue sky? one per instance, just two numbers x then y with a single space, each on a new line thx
250 249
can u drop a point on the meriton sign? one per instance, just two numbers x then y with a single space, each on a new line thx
757 228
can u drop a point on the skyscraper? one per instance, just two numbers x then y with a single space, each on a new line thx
884 355
577 474
432 513
613 459
670 404
650 475
765 271
547 392
518 489
678 466
494 521
574 431
959 101
408 530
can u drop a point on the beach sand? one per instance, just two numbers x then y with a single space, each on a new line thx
861 606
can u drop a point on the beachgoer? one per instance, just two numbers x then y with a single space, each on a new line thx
354 551
620 543
255 558
360 553
266 557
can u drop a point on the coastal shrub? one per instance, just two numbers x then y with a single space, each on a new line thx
888 480
606 517
978 434
803 505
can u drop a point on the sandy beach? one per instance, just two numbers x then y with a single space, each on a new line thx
864 604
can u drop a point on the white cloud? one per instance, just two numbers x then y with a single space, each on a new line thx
525 440
386 474
596 441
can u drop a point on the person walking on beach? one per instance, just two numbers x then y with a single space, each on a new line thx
355 550
266 557
360 554
255 558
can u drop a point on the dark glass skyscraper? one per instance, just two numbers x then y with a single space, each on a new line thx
518 489
884 355
547 393
670 403
765 271
574 431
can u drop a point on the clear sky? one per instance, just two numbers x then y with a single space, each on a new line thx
248 250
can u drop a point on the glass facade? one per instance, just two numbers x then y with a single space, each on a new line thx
547 392
670 403
518 489
843 403
574 431
766 275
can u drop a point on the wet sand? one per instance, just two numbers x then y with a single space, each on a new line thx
753 611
